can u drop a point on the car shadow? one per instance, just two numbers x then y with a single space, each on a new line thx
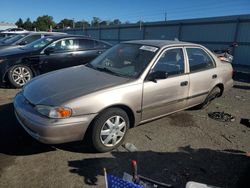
242 87
212 167
13 139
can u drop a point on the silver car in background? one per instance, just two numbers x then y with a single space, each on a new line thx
131 83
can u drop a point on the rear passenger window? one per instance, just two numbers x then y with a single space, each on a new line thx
171 61
85 44
199 59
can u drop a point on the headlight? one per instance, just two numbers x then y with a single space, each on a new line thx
1 60
56 112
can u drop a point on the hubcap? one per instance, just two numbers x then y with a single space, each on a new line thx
21 75
113 130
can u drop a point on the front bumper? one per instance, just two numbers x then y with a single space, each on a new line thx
50 131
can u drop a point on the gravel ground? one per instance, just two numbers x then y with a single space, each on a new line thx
181 147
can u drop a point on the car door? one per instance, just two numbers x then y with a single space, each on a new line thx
167 95
202 74
62 54
86 51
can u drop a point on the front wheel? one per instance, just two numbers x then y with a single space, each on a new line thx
19 75
109 129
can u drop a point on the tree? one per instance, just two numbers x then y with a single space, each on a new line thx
115 22
104 23
19 23
28 25
44 23
65 23
95 21
82 24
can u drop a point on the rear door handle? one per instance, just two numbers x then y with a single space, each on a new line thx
214 76
185 83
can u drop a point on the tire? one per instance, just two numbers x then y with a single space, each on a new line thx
19 75
215 92
109 129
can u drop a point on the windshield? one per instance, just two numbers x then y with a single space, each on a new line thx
128 60
14 39
38 44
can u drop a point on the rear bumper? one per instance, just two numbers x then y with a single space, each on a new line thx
50 131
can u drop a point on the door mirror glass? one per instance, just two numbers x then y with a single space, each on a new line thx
158 75
49 50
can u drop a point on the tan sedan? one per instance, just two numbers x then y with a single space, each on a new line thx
131 83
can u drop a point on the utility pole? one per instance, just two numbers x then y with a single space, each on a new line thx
140 23
166 16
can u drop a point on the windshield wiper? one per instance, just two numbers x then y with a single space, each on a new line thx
104 69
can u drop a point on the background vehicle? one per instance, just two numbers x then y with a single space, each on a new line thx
131 83
25 38
18 65
12 30
225 54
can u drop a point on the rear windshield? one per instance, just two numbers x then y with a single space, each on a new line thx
14 39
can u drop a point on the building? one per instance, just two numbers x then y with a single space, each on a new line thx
4 26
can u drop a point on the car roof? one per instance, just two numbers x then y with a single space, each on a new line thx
56 37
160 43
46 33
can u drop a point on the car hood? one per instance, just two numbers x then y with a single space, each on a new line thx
13 51
61 86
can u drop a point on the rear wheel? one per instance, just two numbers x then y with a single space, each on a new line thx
211 96
19 75
109 129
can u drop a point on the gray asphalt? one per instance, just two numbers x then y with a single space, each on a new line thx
178 148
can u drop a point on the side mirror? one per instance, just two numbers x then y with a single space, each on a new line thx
158 75
24 42
49 50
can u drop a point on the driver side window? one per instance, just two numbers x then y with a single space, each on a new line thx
171 62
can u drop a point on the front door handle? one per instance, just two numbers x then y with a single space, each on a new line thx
185 83
214 76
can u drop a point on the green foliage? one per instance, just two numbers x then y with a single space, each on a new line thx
95 21
19 23
28 25
65 23
44 23
82 24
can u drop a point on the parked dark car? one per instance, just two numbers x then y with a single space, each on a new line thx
18 65
25 38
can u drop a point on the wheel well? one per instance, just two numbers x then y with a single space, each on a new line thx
123 107
221 86
5 76
128 111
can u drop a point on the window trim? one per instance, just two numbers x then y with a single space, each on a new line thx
57 52
160 55
204 50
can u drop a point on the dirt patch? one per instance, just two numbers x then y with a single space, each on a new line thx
182 119
6 161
